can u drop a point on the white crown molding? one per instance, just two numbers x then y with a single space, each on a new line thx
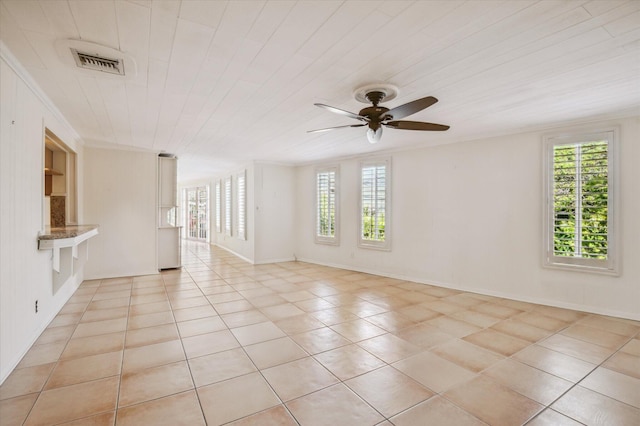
16 66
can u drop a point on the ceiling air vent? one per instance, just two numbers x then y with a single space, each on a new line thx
98 63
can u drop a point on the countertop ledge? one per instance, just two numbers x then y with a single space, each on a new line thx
70 231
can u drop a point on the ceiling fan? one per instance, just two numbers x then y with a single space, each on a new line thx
377 116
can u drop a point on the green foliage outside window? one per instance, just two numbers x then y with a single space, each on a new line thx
581 200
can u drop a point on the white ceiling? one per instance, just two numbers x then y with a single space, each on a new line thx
223 83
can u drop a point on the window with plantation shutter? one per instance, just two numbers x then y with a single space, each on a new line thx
242 205
327 215
218 208
227 206
580 194
374 204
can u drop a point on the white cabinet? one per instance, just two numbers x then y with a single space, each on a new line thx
169 255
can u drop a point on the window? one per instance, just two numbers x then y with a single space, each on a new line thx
218 208
242 205
327 206
227 206
580 194
374 204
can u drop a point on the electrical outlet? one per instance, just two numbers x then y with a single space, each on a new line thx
36 306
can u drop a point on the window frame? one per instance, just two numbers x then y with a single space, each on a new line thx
228 211
323 239
384 245
218 200
241 205
610 266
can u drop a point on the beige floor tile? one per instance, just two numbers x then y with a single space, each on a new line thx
349 361
624 363
521 330
334 316
541 321
190 302
497 342
562 314
150 320
111 295
231 296
391 321
297 378
154 382
23 381
319 340
279 312
89 398
332 406
194 313
239 319
313 305
74 308
42 354
493 403
109 303
14 411
105 314
299 324
596 336
632 348
79 370
576 348
151 335
533 383
389 348
220 366
231 307
453 326
592 408
56 334
496 310
205 344
201 326
256 333
613 325
434 372
424 335
272 416
152 355
550 417
556 363
95 328
614 385
236 398
148 298
179 409
103 419
436 411
85 346
150 308
358 330
467 355
274 352
443 307
400 391
478 319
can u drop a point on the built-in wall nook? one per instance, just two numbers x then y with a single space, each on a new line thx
60 187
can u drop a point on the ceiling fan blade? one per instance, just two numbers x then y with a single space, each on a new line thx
333 128
416 125
341 112
410 107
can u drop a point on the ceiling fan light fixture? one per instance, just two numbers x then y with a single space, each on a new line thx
374 136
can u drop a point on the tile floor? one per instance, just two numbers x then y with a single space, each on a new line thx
222 341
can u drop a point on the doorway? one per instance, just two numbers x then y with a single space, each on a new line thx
197 213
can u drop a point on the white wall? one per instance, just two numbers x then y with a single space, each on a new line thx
469 216
120 190
274 213
25 271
